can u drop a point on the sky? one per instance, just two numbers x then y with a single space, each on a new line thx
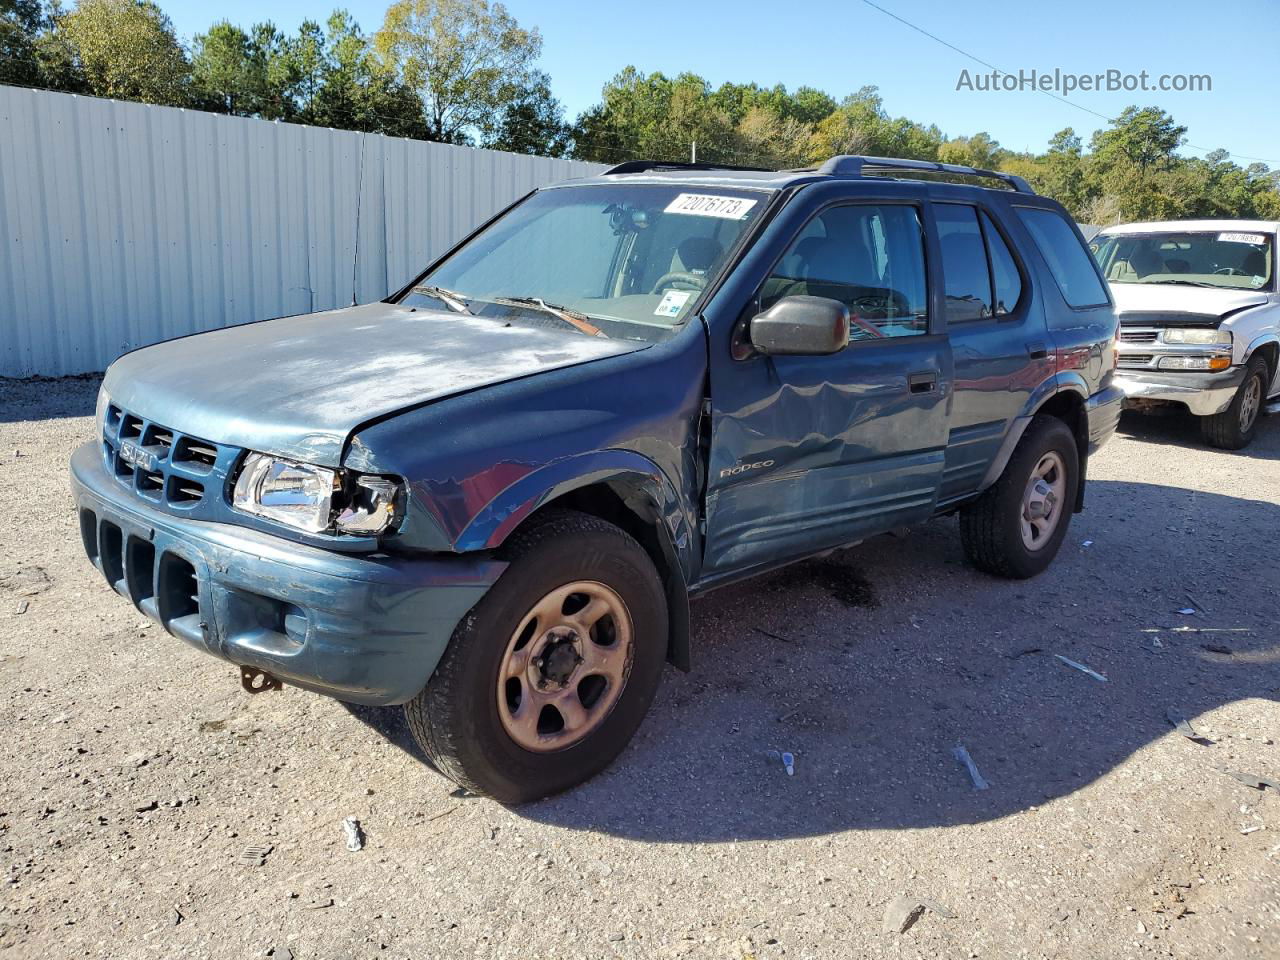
840 45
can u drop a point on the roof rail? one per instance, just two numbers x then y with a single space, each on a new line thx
853 166
642 166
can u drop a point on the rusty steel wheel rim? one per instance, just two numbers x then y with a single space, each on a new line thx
565 666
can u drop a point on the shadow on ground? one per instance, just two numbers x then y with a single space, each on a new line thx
871 666
1177 428
55 398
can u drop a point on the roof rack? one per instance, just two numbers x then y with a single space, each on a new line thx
642 166
854 166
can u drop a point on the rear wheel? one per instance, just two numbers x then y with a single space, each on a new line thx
549 676
1016 527
1234 427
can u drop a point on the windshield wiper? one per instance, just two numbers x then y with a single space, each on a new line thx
454 301
1188 283
579 321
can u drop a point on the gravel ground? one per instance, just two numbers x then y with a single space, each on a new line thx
137 776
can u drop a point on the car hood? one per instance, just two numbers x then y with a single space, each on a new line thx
1175 298
298 386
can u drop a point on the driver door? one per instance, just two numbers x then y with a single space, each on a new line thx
814 452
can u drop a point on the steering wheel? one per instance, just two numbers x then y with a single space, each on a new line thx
882 300
692 280
1230 272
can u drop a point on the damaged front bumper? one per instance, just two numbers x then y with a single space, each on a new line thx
1204 394
365 629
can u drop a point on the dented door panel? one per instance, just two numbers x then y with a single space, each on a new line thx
816 452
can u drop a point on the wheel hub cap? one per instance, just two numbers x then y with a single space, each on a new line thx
1042 501
560 660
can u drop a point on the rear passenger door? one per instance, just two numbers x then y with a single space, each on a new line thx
998 341
810 452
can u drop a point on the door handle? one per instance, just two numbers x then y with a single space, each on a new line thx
1037 351
924 382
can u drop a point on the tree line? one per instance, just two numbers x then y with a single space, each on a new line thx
465 72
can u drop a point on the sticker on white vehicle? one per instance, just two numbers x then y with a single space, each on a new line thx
1255 238
711 205
672 303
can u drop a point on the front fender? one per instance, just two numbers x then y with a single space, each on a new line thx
1260 341
494 522
630 475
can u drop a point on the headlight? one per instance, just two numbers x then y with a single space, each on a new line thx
292 493
315 499
1196 335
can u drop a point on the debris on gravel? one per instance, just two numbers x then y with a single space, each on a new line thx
354 835
903 912
1076 665
962 754
1253 780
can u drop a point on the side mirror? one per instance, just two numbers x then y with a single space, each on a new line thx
801 326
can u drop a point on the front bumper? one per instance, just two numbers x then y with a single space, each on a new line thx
366 629
1204 393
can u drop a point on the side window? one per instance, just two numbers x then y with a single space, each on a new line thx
1068 260
1005 279
964 262
870 257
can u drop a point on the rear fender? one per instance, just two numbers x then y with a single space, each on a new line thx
1061 385
1018 426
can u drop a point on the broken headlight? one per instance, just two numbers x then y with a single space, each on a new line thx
315 499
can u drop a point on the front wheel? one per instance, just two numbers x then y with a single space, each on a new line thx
1016 527
1234 427
546 680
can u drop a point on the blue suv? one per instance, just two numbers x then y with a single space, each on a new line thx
491 496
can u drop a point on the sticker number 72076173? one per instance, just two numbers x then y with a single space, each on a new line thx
710 205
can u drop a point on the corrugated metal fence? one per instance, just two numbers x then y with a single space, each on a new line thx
125 224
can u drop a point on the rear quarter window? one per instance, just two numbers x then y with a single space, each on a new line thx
1069 262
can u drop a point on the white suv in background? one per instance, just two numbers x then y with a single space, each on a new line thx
1199 319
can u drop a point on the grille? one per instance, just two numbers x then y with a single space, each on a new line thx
162 584
1138 336
159 464
1134 359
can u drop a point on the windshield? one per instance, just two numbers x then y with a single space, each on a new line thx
1242 260
617 260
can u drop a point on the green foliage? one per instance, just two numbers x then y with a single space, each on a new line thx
127 49
324 76
20 23
465 59
531 120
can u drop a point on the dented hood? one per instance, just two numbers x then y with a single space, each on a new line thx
298 386
1177 298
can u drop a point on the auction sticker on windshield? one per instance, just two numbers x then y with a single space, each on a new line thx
672 303
1255 238
710 205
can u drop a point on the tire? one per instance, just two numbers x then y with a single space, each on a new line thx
1234 427
467 720
991 528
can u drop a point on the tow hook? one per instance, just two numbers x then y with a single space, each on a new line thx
258 681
